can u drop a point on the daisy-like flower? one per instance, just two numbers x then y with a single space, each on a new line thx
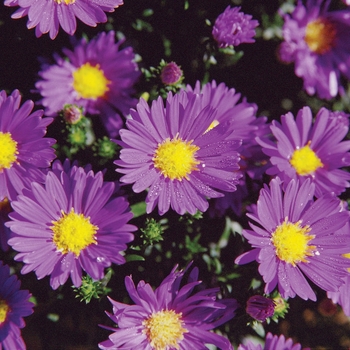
170 317
298 237
14 305
97 76
307 150
233 27
48 16
71 223
342 296
24 152
247 126
172 151
318 42
272 342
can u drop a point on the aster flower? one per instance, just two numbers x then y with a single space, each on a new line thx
48 16
260 307
14 305
97 76
247 126
272 342
307 150
342 296
233 27
298 237
170 317
69 224
25 153
171 151
5 209
318 42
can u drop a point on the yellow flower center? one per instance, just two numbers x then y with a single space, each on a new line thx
90 82
8 151
4 309
176 158
305 161
164 330
347 255
73 232
212 126
66 2
320 35
291 242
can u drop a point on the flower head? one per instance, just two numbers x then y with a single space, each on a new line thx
307 150
48 16
172 151
233 27
272 342
170 317
97 76
24 152
318 42
260 307
171 74
14 305
71 223
298 237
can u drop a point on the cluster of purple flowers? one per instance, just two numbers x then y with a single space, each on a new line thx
201 145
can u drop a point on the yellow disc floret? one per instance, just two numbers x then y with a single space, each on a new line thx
320 36
4 309
90 82
8 150
176 158
305 161
73 232
291 242
164 329
65 2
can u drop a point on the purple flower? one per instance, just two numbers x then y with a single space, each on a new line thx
96 76
170 317
5 209
171 74
25 153
318 42
298 237
342 296
14 305
272 342
70 224
260 308
246 127
307 150
172 151
47 15
233 28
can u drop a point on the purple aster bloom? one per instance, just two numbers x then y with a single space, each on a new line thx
246 127
307 150
298 237
47 15
260 307
170 317
24 152
233 28
318 42
97 76
342 296
14 305
172 151
272 342
71 223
